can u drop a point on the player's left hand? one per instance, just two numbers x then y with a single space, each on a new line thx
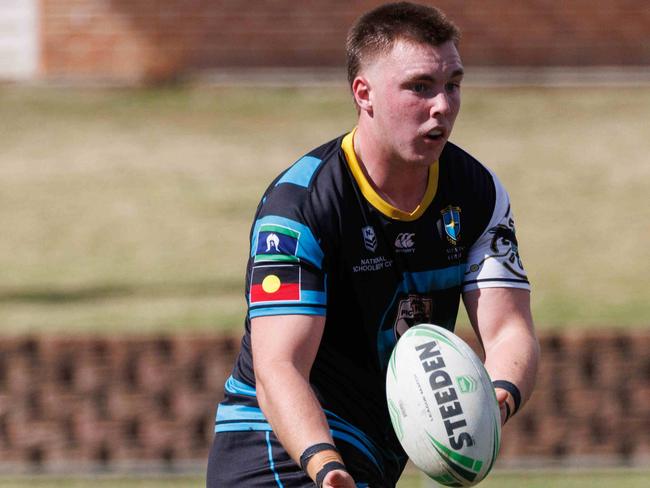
502 396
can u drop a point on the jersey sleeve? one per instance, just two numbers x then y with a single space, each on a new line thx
285 271
493 261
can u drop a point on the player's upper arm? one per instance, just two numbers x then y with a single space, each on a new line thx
493 260
292 339
286 270
497 311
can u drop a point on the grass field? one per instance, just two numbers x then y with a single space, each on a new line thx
129 210
597 479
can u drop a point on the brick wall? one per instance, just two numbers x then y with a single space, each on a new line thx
592 400
159 39
71 402
109 401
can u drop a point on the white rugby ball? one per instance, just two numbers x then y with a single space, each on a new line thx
442 406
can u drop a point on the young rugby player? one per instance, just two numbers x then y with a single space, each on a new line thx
382 228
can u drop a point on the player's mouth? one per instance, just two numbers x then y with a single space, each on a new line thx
436 135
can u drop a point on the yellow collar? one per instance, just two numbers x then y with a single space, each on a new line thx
374 198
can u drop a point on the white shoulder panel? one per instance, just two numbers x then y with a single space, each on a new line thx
493 261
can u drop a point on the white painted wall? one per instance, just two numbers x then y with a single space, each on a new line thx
19 39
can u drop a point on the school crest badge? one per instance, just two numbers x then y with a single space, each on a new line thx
451 223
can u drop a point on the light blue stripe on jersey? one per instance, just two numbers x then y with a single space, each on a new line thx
280 310
301 172
312 297
226 413
243 426
239 387
237 418
437 279
308 247
271 463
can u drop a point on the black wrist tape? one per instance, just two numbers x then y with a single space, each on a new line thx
331 466
312 450
512 389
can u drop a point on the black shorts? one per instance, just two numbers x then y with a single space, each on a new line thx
252 459
256 459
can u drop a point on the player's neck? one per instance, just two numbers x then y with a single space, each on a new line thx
399 183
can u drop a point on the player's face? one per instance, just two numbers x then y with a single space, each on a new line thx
414 92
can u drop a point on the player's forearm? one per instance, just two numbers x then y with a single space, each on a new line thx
284 348
290 406
504 323
513 355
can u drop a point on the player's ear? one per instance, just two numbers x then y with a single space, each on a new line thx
361 93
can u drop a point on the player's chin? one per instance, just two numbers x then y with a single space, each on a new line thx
427 155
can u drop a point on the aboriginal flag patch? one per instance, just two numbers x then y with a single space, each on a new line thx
275 283
276 243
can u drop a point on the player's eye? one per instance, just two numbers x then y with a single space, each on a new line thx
452 86
419 87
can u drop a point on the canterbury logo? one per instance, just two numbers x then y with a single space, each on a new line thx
404 240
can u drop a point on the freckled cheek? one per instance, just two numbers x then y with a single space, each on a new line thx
402 114
415 111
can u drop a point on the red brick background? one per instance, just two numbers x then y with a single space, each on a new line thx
132 40
109 402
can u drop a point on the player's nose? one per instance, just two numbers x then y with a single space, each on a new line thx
440 104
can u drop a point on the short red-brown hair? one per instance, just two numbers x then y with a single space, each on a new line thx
376 31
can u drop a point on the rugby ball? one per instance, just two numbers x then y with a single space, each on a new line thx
442 406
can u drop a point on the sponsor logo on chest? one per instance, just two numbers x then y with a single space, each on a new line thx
405 242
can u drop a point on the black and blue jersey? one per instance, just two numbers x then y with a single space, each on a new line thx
325 243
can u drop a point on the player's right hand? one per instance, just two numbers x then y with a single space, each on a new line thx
502 397
338 479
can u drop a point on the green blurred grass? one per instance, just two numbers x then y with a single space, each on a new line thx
595 479
533 479
129 210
